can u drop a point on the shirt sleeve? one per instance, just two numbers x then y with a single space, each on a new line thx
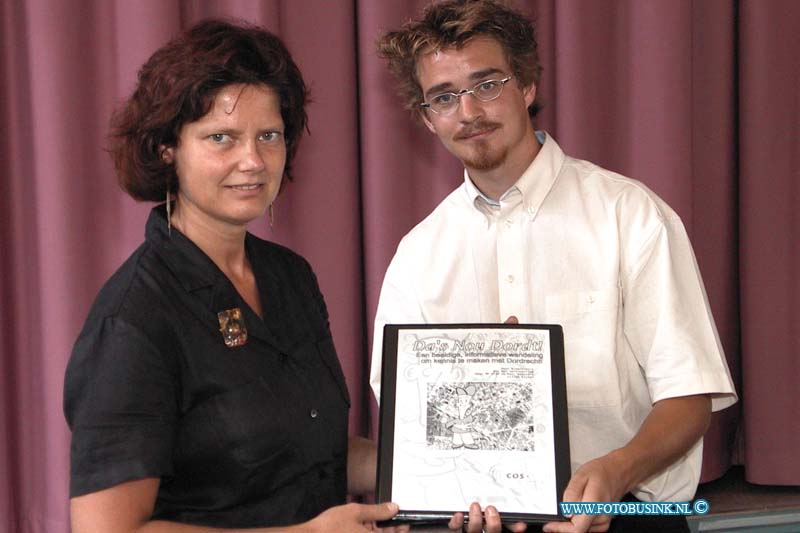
120 400
668 320
397 305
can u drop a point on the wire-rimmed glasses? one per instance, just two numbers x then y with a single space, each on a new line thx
485 91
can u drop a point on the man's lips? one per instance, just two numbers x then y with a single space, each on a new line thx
475 131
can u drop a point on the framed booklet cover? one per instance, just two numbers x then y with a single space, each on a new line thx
473 412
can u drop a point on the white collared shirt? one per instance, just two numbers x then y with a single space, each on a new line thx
573 244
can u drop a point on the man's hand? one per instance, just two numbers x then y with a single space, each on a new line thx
479 521
673 426
595 481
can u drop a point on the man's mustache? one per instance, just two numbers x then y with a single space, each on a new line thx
479 126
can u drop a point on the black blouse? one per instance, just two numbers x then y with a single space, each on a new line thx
243 436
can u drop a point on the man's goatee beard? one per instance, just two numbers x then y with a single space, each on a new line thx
485 158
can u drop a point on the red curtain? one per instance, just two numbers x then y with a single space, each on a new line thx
699 100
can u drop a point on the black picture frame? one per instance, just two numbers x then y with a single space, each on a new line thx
387 474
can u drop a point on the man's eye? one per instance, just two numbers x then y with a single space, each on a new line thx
218 137
487 86
444 99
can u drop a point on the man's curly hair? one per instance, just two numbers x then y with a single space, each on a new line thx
452 24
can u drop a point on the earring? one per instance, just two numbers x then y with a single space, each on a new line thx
271 217
169 216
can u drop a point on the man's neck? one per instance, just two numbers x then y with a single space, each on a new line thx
495 182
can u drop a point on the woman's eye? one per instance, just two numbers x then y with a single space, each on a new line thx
272 136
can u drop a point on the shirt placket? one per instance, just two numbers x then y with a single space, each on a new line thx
484 250
510 253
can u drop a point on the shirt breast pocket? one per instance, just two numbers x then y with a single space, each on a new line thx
589 319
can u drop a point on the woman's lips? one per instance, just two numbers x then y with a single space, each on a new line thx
252 187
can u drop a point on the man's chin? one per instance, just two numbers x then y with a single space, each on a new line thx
484 161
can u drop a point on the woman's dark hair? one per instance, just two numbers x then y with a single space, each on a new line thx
177 85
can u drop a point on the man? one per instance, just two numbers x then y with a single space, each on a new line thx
538 236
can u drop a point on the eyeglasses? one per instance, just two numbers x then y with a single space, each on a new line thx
485 91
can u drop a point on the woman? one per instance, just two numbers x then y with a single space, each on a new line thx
204 390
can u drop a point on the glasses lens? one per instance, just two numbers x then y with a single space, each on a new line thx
444 103
488 90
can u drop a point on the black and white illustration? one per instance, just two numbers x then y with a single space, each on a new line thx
473 418
481 416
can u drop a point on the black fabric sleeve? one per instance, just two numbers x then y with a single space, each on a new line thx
120 400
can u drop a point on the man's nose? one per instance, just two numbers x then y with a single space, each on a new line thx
469 107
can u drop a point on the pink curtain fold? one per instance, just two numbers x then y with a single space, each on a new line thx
769 238
699 100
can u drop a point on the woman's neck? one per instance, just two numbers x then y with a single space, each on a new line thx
222 242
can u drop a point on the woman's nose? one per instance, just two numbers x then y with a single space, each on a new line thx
252 160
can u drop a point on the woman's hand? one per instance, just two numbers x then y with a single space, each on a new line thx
129 507
488 521
355 517
362 464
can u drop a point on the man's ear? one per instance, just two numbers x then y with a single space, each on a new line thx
427 122
167 154
529 93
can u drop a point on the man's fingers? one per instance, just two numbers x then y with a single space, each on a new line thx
602 523
575 488
475 518
578 524
559 527
477 524
493 524
582 522
456 521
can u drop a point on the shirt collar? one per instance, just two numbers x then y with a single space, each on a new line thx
534 184
197 273
191 266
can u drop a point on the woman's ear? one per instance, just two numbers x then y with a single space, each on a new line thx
167 154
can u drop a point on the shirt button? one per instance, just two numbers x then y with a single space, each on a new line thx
313 413
510 278
590 299
509 223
